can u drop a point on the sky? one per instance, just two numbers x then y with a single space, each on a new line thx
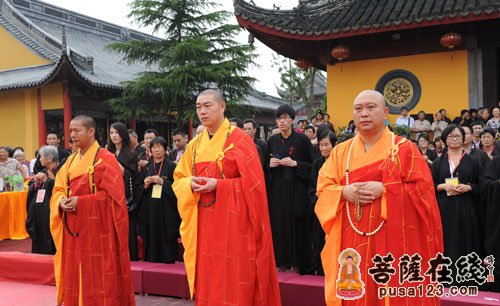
116 11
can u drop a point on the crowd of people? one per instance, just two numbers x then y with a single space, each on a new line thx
463 157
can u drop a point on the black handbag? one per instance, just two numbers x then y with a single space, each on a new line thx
131 202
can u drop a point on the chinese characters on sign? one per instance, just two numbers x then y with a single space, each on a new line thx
469 268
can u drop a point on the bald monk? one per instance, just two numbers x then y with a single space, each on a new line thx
89 224
222 202
376 195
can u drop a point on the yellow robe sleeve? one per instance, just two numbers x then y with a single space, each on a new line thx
327 209
56 225
188 210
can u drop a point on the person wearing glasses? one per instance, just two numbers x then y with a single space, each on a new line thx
456 180
289 156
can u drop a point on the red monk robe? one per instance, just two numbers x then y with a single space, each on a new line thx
228 254
92 269
408 206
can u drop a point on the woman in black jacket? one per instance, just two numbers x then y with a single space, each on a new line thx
326 141
423 146
119 145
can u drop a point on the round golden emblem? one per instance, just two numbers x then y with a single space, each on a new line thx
398 92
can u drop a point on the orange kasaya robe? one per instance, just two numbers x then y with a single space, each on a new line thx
408 204
92 269
228 253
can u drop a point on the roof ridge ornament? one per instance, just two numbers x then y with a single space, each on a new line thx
64 45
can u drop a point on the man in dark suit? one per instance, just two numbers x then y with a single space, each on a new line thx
180 140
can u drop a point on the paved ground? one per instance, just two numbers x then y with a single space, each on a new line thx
19 294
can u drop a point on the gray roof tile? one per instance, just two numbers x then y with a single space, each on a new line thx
336 16
39 26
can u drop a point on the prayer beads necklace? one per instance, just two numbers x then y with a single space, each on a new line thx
358 207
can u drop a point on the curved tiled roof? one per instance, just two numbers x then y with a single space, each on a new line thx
263 101
26 76
40 27
324 19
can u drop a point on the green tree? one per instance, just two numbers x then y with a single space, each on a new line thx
198 52
297 83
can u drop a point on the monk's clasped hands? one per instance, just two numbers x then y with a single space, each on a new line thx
69 204
364 192
203 184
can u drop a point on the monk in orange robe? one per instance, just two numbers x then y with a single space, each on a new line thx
376 195
222 202
89 224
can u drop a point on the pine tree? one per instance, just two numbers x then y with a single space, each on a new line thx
198 51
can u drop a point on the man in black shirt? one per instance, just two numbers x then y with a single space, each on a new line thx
250 127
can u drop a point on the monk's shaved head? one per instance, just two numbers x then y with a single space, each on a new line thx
369 112
86 121
218 97
375 95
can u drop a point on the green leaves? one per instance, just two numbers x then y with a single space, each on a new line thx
198 51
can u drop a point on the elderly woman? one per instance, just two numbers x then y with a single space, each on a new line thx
9 166
21 158
159 213
38 204
421 125
456 179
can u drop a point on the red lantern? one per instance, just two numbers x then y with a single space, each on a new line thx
451 40
340 52
303 64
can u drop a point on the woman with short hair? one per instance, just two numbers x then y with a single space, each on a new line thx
159 213
488 143
456 179
9 166
421 125
438 125
327 140
38 203
21 158
423 146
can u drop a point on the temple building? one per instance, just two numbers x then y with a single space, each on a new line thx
54 65
422 54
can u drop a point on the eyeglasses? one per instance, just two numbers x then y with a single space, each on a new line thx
283 117
455 136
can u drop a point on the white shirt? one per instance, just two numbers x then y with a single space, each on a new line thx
404 121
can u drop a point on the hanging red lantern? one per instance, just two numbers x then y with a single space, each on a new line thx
340 52
451 40
303 64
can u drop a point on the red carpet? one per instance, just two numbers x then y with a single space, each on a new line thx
23 246
18 294
17 269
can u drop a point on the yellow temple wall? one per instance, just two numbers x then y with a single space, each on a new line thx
19 121
13 54
52 96
443 78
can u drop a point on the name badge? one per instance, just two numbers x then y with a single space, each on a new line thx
451 181
40 195
156 191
